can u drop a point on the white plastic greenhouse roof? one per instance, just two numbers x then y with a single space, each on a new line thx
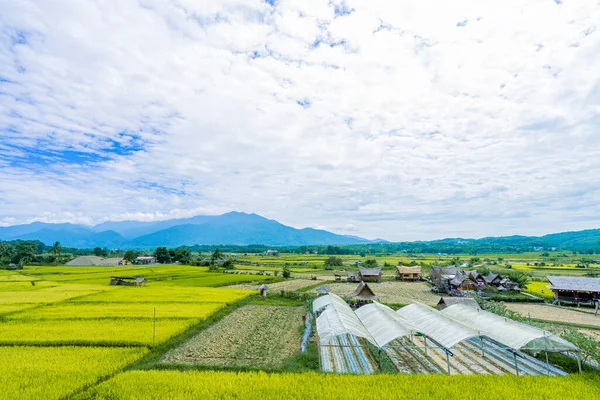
432 323
323 301
339 319
382 323
508 332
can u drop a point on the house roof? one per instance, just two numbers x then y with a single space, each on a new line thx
146 258
323 289
452 270
489 278
458 279
450 301
362 292
575 284
94 260
405 269
140 279
370 271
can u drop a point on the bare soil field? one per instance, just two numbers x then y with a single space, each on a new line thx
552 313
257 336
393 291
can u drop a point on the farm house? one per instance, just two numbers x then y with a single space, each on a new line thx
408 273
575 290
369 274
460 339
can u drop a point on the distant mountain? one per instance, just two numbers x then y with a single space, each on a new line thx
231 228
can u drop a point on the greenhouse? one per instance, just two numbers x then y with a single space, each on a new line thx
420 339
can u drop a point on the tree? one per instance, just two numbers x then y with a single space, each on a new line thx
56 250
25 252
370 263
333 262
130 255
217 255
7 253
99 252
286 272
519 278
162 255
228 264
183 255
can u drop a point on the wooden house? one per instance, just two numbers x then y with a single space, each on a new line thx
408 273
369 274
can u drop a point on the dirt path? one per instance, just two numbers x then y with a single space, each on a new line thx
552 313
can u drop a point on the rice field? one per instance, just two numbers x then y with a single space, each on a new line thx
57 372
98 310
113 332
169 294
253 385
288 285
539 289
257 336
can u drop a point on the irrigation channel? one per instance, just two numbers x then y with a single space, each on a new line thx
349 354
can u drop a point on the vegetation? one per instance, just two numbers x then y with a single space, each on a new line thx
210 384
56 372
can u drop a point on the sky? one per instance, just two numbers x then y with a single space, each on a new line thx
383 119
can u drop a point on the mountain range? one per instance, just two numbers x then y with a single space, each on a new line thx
231 228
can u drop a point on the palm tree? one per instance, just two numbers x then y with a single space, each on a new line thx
56 250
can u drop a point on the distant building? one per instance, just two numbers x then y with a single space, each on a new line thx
272 252
362 292
408 273
145 260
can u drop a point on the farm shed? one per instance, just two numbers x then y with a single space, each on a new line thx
145 260
127 281
362 292
262 290
369 274
338 275
408 273
575 290
352 276
450 301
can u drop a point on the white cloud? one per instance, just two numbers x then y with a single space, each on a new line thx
398 120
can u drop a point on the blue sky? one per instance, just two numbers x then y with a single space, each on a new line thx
379 118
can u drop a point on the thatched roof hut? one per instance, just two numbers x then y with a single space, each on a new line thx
405 272
362 292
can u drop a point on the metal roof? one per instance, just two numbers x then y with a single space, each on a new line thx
575 284
370 271
383 323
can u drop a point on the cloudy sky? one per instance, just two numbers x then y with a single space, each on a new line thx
393 119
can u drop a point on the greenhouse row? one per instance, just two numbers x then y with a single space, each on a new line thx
419 339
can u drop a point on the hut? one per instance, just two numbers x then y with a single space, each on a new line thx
450 301
352 276
575 290
262 290
362 292
338 275
324 289
127 281
145 260
476 277
408 273
369 274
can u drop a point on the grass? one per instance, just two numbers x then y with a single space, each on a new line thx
167 294
57 372
251 385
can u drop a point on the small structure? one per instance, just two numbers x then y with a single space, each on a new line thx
324 289
369 274
476 277
94 261
450 301
272 252
262 290
352 276
338 275
575 290
145 260
127 281
408 273
362 292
